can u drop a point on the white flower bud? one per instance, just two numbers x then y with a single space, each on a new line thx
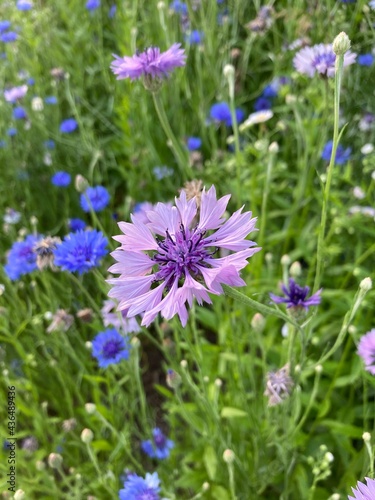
285 260
258 322
341 44
228 456
273 147
37 104
329 457
366 436
90 408
228 71
366 284
367 149
318 369
183 363
295 269
218 382
55 460
80 183
87 436
19 495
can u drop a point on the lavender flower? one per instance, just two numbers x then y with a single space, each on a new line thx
11 216
175 257
366 349
319 59
296 296
118 319
150 64
81 251
278 386
139 488
109 348
364 491
15 93
342 155
95 198
159 446
61 179
22 259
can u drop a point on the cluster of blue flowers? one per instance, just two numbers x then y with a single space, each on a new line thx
220 113
6 35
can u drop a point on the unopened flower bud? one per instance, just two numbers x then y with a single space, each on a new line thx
40 465
205 486
366 284
295 269
19 495
366 436
341 44
329 457
273 147
55 460
87 436
318 369
184 363
228 456
258 322
218 382
228 71
90 408
285 260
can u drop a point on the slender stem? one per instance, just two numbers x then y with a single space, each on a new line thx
320 249
231 482
180 155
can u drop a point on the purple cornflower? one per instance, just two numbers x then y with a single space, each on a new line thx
366 349
220 112
278 386
95 198
363 491
68 126
81 251
342 155
193 143
109 348
151 63
172 259
365 59
19 113
159 446
118 319
92 4
319 59
76 225
24 5
61 179
296 296
15 93
139 488
8 37
21 258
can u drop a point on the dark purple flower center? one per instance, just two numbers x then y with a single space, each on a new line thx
324 61
160 440
147 495
180 254
297 294
111 348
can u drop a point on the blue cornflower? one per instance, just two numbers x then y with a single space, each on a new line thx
9 36
159 446
95 198
342 155
50 99
195 37
69 125
296 296
81 251
221 112
139 488
365 59
76 225
11 131
110 347
24 5
193 143
270 91
2 143
262 104
30 81
4 26
21 258
112 11
179 7
19 113
92 4
61 179
49 144
162 171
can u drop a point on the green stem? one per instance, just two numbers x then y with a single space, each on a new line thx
336 138
180 155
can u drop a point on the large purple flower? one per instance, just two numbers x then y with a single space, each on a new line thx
366 349
319 59
151 62
296 296
171 259
364 492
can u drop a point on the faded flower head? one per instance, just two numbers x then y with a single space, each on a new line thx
364 491
118 319
139 488
15 93
366 349
296 296
319 59
150 64
194 189
110 347
30 444
159 446
81 251
44 250
170 261
69 424
61 321
278 385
